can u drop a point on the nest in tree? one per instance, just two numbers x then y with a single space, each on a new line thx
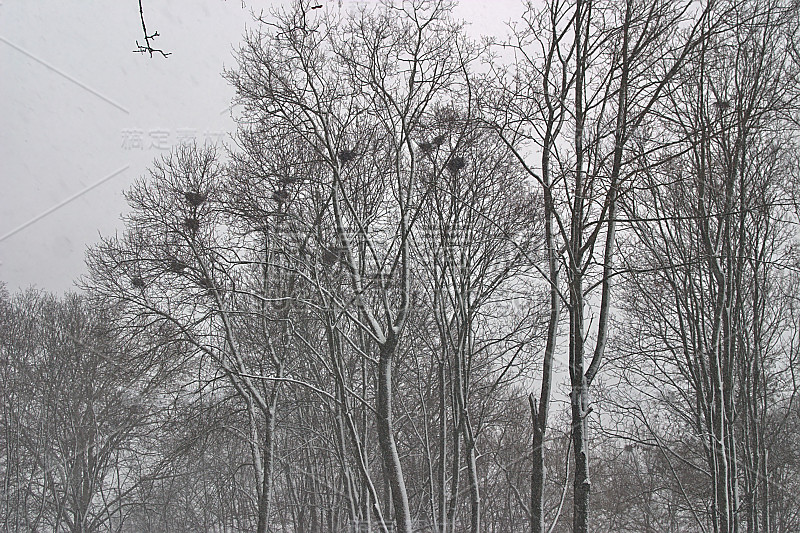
722 105
177 266
347 155
331 256
426 147
137 282
205 283
195 198
288 180
191 223
455 164
439 140
280 196
446 115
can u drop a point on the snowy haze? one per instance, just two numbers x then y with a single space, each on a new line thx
83 116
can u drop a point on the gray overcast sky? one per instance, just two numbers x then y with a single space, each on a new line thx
80 111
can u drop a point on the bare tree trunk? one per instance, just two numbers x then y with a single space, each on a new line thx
539 415
579 395
579 408
402 512
442 496
765 521
265 496
454 473
538 471
472 472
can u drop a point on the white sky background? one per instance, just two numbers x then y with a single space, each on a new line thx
79 109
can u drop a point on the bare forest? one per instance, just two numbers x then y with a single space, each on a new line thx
544 282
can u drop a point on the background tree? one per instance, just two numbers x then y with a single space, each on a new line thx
77 408
184 264
355 90
336 323
707 290
596 74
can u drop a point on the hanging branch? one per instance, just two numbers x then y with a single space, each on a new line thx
147 47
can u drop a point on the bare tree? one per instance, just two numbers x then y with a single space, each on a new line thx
75 400
597 73
183 263
475 245
712 219
355 91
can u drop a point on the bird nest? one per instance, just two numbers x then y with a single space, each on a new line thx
195 198
280 196
205 283
191 223
177 266
455 164
333 254
346 156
